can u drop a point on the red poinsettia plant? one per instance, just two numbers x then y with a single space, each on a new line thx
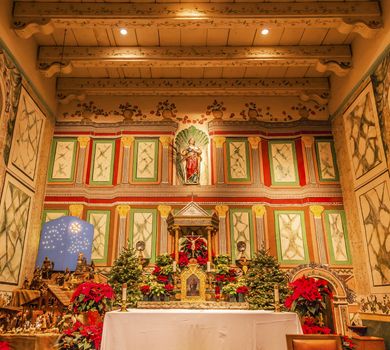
145 289
242 290
308 295
169 288
81 336
310 326
91 296
4 345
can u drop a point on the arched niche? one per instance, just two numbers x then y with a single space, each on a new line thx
341 293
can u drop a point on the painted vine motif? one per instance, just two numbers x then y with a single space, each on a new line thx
216 110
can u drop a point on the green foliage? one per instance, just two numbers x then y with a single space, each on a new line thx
264 272
126 269
164 260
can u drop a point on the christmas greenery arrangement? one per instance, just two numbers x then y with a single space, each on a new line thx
126 269
262 276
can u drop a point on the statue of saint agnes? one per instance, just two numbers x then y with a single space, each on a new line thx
192 156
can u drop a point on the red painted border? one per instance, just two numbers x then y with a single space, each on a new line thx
265 161
115 179
89 160
300 162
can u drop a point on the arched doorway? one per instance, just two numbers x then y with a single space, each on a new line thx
337 316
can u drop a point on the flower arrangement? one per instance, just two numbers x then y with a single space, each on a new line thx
242 290
347 343
91 296
194 246
307 296
183 259
4 345
81 337
310 326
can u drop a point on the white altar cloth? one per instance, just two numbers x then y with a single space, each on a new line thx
141 329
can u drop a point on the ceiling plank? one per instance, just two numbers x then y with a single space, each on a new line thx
363 17
334 58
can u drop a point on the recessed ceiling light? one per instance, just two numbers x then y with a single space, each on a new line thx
264 31
123 31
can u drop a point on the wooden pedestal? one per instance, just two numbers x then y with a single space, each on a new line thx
368 343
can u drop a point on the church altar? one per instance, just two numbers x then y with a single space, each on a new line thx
183 329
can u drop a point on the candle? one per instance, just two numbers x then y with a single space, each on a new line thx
208 266
124 291
276 293
174 265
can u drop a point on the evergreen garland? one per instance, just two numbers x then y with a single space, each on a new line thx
264 272
126 269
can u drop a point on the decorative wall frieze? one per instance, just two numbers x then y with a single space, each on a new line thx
207 194
363 17
315 89
375 303
333 58
263 128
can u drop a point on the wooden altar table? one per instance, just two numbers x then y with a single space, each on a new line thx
140 329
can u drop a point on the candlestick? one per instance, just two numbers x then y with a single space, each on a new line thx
208 266
276 293
124 297
276 297
174 266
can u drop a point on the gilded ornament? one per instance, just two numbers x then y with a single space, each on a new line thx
164 210
76 210
307 141
122 210
317 210
83 141
127 141
259 210
219 141
221 210
165 141
254 141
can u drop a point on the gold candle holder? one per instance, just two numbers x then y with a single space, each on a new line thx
276 307
123 306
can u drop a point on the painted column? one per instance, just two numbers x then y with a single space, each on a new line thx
222 210
127 142
254 142
76 210
209 244
176 229
219 142
164 212
308 142
83 143
259 211
122 210
317 210
165 141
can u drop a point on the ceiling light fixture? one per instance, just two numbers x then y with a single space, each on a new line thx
123 31
264 31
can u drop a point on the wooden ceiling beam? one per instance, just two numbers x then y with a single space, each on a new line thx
333 58
316 89
31 17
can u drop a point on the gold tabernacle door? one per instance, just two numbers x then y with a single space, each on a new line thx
193 284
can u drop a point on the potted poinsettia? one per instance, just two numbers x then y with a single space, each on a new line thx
241 291
230 291
307 298
91 296
4 345
81 337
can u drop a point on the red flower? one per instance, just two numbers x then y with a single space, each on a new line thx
310 327
201 260
162 278
220 278
217 290
242 290
145 289
156 270
347 343
169 287
4 346
183 259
